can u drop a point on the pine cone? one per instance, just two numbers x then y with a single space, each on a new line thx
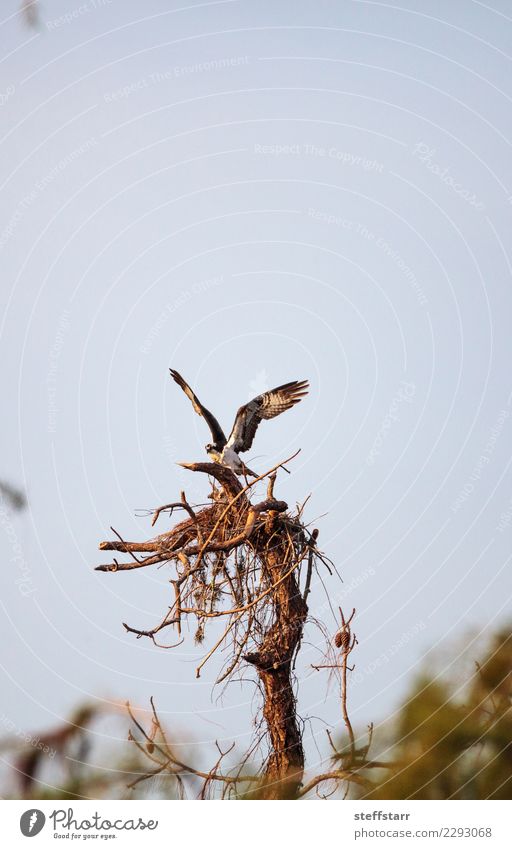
342 640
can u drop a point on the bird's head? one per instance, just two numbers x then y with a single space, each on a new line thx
213 453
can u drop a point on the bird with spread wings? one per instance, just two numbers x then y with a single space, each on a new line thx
268 405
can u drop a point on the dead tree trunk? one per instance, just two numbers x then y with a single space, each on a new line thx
242 561
273 661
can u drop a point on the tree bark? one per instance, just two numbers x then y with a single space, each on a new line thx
273 661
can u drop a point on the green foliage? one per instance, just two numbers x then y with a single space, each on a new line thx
452 746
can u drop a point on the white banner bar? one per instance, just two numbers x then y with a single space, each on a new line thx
256 825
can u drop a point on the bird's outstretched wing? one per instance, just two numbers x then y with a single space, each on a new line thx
265 406
219 438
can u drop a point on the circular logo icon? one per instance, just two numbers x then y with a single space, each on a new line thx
31 822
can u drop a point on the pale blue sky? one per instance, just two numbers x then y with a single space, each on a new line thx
254 192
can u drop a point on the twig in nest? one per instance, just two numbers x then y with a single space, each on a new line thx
311 555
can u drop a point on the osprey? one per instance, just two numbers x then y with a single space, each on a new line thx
265 406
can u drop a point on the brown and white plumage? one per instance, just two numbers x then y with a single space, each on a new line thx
219 440
268 405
